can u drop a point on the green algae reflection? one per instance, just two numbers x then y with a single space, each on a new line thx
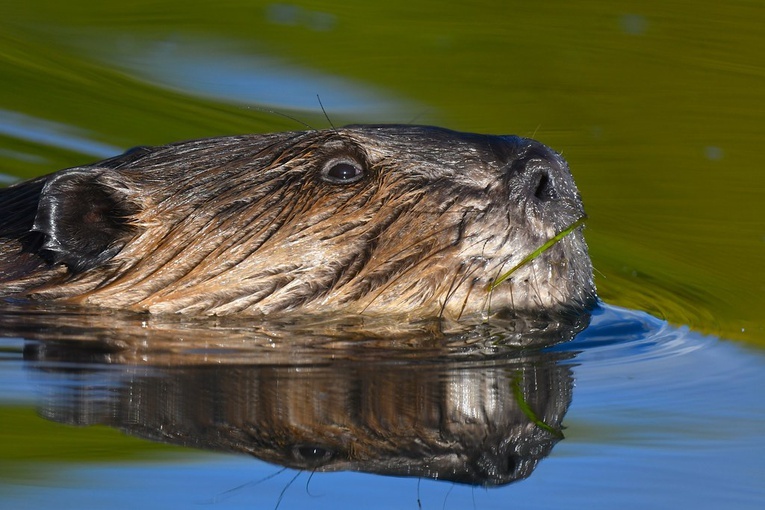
30 444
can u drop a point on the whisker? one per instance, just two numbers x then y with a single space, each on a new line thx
308 482
446 497
228 493
284 490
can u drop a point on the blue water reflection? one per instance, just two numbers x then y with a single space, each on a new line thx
227 71
661 417
52 134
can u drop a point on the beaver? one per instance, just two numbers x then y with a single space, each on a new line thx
365 219
480 423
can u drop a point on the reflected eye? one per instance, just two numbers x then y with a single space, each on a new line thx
311 454
342 171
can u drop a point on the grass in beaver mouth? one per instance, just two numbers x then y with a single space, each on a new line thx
536 253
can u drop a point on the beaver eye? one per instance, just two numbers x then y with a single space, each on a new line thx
312 455
343 171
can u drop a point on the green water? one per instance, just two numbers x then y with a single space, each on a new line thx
658 106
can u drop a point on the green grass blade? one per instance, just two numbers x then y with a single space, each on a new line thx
531 256
529 412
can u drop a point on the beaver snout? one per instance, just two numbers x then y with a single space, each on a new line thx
541 172
542 183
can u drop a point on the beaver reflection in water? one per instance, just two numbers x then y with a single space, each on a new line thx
387 219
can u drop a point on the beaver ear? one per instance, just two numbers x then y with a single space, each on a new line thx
83 215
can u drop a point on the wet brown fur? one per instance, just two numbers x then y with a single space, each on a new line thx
253 225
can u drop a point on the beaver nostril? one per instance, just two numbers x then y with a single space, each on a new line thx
545 190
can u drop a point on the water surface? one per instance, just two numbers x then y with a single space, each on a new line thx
632 413
658 109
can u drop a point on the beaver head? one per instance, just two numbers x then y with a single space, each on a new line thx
364 219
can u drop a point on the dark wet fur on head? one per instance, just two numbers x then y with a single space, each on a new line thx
364 219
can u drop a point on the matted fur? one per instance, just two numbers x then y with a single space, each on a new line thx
254 225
